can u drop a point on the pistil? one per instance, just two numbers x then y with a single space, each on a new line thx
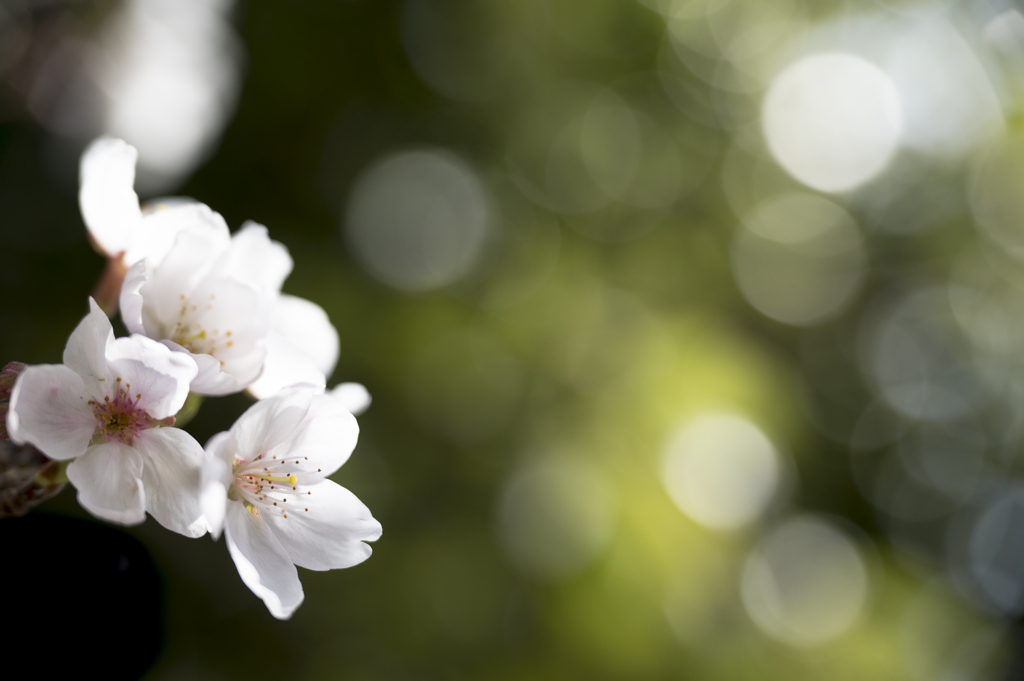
120 418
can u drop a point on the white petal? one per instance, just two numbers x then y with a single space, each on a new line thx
109 204
158 231
213 497
355 396
159 203
109 482
170 474
326 437
255 260
49 408
262 562
85 352
136 317
331 533
219 447
285 365
304 349
153 375
306 326
215 480
271 422
211 378
234 319
169 290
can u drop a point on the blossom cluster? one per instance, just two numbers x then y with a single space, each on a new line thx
206 317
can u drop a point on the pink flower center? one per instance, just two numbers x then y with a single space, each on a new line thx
121 419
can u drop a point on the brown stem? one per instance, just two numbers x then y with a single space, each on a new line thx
108 288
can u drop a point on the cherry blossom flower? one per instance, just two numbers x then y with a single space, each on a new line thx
211 297
117 224
217 296
251 336
265 486
103 408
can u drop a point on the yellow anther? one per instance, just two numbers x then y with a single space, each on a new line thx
199 336
291 479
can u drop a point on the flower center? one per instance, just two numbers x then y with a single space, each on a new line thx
190 333
120 418
267 485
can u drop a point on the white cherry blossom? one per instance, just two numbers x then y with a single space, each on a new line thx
117 225
103 407
265 486
217 296
212 297
182 252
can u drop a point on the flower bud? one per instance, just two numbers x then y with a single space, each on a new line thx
8 376
27 478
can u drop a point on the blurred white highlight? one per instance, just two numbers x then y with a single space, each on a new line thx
721 470
948 103
419 220
806 584
832 120
170 71
1005 33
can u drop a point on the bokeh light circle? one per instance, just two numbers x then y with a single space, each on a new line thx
832 120
916 356
555 517
997 551
806 584
721 470
800 258
997 201
947 98
418 220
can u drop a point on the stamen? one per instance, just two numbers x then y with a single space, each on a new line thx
258 486
199 336
291 479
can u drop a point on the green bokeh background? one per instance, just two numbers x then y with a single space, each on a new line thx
557 346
